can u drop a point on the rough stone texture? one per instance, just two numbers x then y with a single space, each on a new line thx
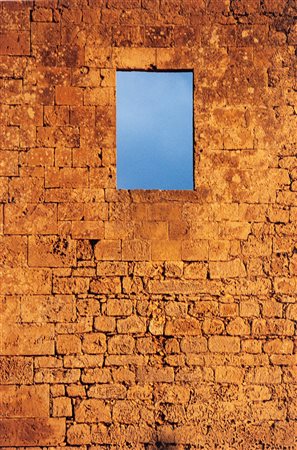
148 319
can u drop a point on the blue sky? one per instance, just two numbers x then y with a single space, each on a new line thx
154 130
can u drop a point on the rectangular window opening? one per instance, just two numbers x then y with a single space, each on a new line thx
154 123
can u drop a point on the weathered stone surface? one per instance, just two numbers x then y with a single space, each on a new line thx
25 281
10 309
147 318
79 434
27 340
94 343
16 370
224 344
68 344
132 324
119 307
106 285
182 327
51 251
108 391
24 401
42 308
13 43
121 345
62 407
31 219
155 375
59 376
13 251
31 432
93 410
227 269
9 164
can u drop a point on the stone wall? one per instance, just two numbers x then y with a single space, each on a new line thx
148 319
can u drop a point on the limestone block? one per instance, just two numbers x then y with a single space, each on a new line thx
92 410
51 251
24 401
32 432
16 370
27 339
25 281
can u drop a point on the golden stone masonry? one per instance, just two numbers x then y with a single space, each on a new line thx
148 319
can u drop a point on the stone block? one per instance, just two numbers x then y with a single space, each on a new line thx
183 327
45 33
183 286
16 370
251 346
83 361
10 309
227 269
176 395
68 344
119 307
105 324
110 285
24 401
12 43
13 251
42 308
87 229
97 375
112 268
42 14
193 344
194 250
9 163
132 324
268 327
121 345
108 391
92 410
70 96
136 250
238 327
57 376
195 271
213 326
30 218
224 344
51 251
68 285
134 58
264 375
125 412
108 250
27 339
155 374
278 346
62 407
29 432
94 343
228 374
25 281
168 250
27 189
79 434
